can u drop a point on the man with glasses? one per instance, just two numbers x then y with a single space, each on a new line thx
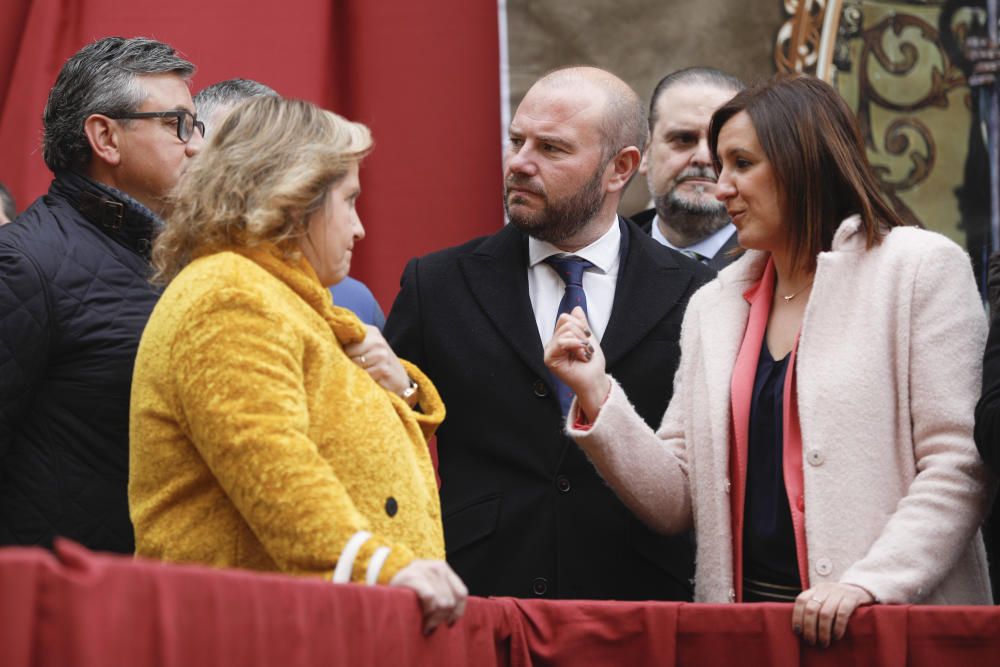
119 128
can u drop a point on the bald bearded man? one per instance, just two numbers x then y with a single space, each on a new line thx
525 514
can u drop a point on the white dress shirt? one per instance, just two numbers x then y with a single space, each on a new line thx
546 287
707 247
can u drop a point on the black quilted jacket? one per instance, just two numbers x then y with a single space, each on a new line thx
74 299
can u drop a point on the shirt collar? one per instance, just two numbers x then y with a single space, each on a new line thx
602 253
706 247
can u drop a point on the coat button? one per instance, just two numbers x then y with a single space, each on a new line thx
800 503
824 566
732 595
727 485
540 388
391 506
815 457
562 483
540 586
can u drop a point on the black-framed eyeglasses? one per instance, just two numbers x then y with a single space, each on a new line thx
187 122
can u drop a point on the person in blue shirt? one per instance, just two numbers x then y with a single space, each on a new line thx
355 295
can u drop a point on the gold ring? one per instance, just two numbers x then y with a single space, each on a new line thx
816 599
364 362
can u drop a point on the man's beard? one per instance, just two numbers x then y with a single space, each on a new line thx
558 220
693 219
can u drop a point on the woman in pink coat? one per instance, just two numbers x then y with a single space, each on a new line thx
820 436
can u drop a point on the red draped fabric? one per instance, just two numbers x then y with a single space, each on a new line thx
423 75
79 608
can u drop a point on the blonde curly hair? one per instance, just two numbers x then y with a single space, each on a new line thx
266 168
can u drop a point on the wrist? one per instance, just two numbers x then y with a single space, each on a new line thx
872 598
409 392
594 397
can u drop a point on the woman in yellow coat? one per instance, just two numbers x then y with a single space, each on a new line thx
270 429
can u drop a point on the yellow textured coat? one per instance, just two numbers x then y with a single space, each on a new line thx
257 443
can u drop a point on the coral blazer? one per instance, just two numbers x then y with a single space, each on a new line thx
744 374
887 376
257 443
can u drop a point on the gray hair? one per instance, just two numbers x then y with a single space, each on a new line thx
9 207
102 77
691 75
227 93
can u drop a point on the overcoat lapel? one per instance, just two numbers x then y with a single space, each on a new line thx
497 275
641 300
720 329
723 321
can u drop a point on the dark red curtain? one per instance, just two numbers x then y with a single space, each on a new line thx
423 76
85 609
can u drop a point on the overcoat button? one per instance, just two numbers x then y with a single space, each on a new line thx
541 389
727 485
562 483
391 506
800 502
732 595
824 566
540 586
815 457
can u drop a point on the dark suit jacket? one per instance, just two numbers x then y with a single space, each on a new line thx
722 258
988 418
525 513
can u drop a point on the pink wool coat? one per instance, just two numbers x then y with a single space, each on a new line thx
888 371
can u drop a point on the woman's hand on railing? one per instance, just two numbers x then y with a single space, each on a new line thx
441 593
821 613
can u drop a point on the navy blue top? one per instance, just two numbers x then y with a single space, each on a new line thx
768 536
355 295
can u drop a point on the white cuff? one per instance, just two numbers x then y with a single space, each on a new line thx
345 564
375 565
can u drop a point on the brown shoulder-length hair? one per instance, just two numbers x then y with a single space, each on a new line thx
812 141
264 170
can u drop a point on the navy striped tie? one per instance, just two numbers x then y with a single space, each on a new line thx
570 268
